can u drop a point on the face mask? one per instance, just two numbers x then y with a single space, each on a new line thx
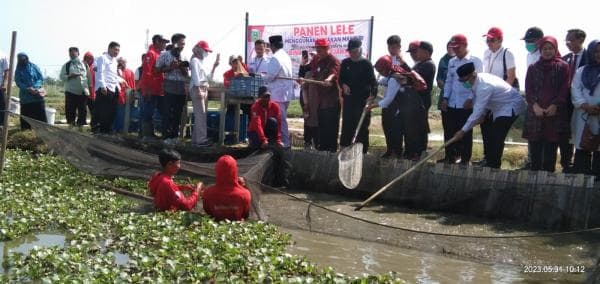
531 47
467 84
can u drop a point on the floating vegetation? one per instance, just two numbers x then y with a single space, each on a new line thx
108 241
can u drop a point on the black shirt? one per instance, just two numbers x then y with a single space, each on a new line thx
427 71
359 76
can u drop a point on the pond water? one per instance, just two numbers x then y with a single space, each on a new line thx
27 243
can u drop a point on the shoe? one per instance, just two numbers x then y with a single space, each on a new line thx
203 144
480 163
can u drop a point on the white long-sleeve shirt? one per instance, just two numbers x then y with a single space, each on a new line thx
392 88
494 94
454 91
107 75
579 96
199 74
258 65
280 65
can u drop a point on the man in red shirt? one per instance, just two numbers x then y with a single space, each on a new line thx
228 199
265 125
126 86
152 80
166 193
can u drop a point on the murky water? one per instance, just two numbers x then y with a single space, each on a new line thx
356 246
27 243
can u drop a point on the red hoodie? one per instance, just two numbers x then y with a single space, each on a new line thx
168 195
227 199
260 115
129 77
151 80
93 75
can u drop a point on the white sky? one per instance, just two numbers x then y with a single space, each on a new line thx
47 28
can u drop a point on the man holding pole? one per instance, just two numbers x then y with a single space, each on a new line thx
282 90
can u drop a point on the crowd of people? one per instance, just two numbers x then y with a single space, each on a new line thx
560 104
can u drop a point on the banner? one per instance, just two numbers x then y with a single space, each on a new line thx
298 37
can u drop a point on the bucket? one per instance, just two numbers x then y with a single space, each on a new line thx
50 114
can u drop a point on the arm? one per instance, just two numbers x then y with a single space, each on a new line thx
38 78
529 96
279 118
257 124
176 198
563 85
272 70
63 73
577 95
390 93
479 109
511 70
89 75
100 84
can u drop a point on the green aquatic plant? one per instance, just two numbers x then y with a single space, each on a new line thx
40 193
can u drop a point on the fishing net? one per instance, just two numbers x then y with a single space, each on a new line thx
350 161
316 200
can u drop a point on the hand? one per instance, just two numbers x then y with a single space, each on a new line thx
458 135
32 91
551 110
444 105
327 83
71 76
371 106
591 109
199 188
103 91
346 89
468 104
242 181
539 111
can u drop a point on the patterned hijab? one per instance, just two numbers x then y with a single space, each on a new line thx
591 72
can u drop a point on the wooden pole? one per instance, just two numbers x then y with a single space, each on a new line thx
7 100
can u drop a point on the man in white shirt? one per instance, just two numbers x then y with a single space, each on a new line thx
258 64
107 88
458 100
282 90
494 94
3 85
200 76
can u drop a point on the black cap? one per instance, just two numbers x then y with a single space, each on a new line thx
275 39
425 45
157 37
263 91
533 33
465 69
354 43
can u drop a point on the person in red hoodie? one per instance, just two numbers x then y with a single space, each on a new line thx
228 199
166 193
265 125
89 59
152 83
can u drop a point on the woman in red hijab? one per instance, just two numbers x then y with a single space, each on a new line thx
228 199
547 92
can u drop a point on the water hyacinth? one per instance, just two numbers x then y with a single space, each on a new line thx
41 193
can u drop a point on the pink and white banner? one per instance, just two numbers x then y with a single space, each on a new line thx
298 37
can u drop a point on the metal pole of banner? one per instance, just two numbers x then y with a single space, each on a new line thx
7 99
371 38
246 38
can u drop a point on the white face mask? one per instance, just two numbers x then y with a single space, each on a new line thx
203 53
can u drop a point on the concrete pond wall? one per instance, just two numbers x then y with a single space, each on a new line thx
546 200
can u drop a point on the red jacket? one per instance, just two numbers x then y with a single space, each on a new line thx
227 199
129 77
168 195
93 89
260 115
151 80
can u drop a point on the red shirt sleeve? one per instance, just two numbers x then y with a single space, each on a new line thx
256 122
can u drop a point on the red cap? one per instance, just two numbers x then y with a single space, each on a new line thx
494 33
204 45
321 42
457 40
414 45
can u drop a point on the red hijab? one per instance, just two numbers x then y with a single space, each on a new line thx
552 40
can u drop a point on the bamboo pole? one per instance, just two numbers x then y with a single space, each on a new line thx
7 99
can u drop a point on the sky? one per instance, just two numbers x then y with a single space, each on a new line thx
46 29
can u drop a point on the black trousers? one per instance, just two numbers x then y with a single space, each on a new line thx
352 110
543 155
75 106
495 139
456 120
587 162
105 109
449 156
392 128
413 122
174 107
36 111
486 130
566 148
329 125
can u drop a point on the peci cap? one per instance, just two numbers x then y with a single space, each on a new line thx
465 69
321 42
494 33
159 37
427 46
204 45
275 39
533 33
457 40
263 91
353 43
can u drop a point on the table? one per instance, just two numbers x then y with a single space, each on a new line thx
220 94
